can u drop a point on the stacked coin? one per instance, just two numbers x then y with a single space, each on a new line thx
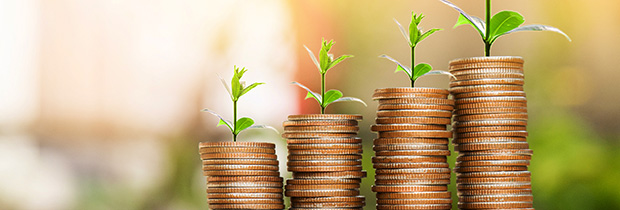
241 175
490 119
411 169
325 156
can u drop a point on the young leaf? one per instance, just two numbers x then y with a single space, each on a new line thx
414 32
539 28
350 99
405 34
314 95
338 60
243 123
222 120
464 21
264 126
316 63
477 24
248 88
399 66
226 86
331 96
236 87
324 58
421 69
428 33
503 22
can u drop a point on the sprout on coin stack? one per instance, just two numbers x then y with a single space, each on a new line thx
490 119
241 175
324 150
411 169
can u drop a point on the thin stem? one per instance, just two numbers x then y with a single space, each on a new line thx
487 39
323 94
412 65
235 121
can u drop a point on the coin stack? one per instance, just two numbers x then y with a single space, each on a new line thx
241 175
411 169
325 156
490 119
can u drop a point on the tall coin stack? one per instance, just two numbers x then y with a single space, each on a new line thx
411 169
241 175
490 119
325 156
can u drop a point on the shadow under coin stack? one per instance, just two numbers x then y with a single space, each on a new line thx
241 175
490 119
411 169
325 156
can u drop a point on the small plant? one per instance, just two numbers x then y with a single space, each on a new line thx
502 23
326 61
414 37
237 89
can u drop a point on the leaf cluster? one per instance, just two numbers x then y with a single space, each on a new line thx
326 60
238 87
331 96
415 34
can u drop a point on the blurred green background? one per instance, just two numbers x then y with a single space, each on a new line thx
101 99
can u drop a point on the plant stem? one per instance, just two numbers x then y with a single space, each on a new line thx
323 93
487 39
235 121
412 65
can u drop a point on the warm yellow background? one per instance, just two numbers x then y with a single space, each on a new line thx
100 99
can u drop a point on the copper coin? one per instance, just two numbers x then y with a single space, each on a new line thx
354 140
237 144
412 90
462 124
244 179
321 193
408 188
485 65
322 129
496 198
382 141
292 157
246 201
324 146
417 133
502 152
324 151
410 147
484 88
322 181
320 123
408 159
276 195
414 201
401 127
325 117
517 179
329 199
490 128
413 171
346 205
325 163
414 207
330 175
495 192
240 173
244 190
378 96
210 150
412 182
324 168
493 145
489 76
412 176
240 162
239 167
492 157
317 135
413 120
494 163
246 206
321 186
413 195
494 174
472 117
495 205
295 208
493 186
489 168
506 59
493 110
488 140
434 101
245 184
512 99
410 165
414 106
238 155
414 113
490 105
413 152
487 81
489 94
484 71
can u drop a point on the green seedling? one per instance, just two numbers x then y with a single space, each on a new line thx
237 89
325 62
502 23
413 37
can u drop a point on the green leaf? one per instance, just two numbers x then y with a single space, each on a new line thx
316 63
243 123
421 69
503 22
338 60
222 120
464 21
324 58
331 96
405 34
414 32
226 86
428 33
538 28
310 92
476 22
248 88
399 67
350 99
236 84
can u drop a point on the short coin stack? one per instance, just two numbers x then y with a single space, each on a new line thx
490 119
325 156
241 175
411 169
